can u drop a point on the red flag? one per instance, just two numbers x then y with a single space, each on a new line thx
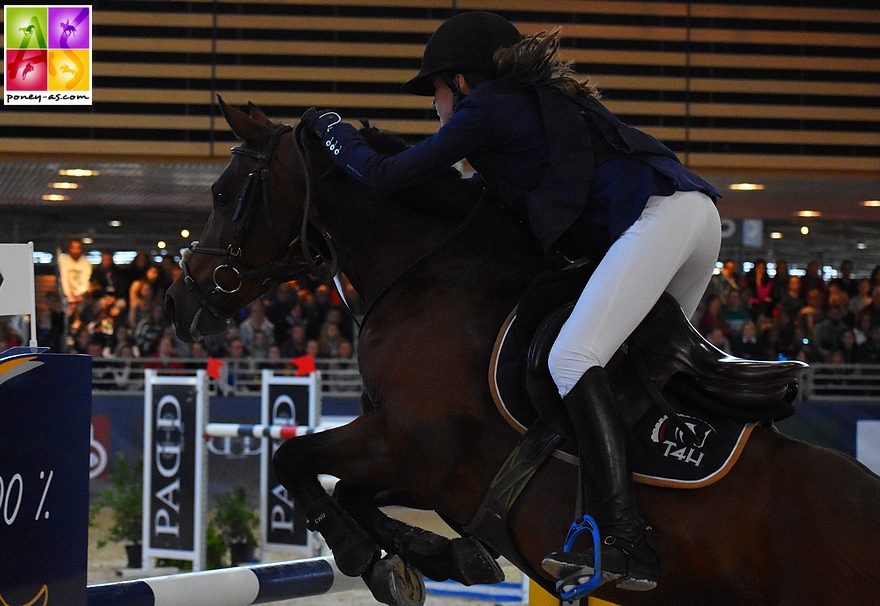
214 366
305 365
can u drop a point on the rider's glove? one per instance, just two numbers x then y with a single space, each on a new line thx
345 145
320 123
328 125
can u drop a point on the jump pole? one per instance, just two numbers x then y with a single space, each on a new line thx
242 586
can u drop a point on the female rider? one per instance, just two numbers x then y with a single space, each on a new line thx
587 185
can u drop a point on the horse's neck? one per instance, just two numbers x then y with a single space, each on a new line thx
381 240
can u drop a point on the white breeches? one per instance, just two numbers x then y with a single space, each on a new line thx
672 247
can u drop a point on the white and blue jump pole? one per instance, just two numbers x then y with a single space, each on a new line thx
243 586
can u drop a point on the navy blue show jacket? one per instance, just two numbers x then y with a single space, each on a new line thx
568 167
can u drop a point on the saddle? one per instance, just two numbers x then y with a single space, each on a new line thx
664 355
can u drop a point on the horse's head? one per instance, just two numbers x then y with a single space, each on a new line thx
250 242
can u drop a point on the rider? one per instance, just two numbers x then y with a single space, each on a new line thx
587 185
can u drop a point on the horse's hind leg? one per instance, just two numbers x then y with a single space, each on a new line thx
463 559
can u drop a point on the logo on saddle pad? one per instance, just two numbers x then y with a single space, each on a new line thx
669 457
678 446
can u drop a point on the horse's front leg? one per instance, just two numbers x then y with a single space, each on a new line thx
298 461
463 559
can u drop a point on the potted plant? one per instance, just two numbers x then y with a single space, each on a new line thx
125 499
237 523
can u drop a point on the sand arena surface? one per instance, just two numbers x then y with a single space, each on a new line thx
104 563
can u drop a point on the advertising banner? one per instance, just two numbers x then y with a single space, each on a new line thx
45 410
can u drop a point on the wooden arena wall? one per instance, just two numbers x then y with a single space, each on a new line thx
724 84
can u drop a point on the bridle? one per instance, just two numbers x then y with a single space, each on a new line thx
227 278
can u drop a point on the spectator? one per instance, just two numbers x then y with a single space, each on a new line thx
792 301
873 309
50 323
329 341
734 313
260 347
165 357
296 345
869 352
316 314
828 334
811 315
780 282
862 330
845 281
241 370
75 272
725 281
149 331
862 298
712 318
750 345
256 321
783 336
140 301
279 309
759 286
812 280
111 278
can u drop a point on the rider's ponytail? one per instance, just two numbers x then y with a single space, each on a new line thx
534 60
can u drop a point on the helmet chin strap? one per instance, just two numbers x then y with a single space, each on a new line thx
457 94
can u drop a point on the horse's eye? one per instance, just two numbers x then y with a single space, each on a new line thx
221 198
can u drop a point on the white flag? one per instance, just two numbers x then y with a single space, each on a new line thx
17 294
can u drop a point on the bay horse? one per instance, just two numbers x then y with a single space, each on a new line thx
438 269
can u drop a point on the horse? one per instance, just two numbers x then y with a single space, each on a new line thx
438 268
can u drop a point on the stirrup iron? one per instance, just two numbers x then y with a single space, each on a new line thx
586 524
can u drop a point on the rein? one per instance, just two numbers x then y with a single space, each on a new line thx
226 277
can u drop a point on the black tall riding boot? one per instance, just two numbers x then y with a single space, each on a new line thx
626 556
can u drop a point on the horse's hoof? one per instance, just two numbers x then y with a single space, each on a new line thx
474 563
394 582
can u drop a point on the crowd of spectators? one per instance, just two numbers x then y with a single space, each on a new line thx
112 311
118 312
793 317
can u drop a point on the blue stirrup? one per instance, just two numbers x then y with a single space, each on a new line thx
587 523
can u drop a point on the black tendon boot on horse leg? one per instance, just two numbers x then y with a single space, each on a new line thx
353 549
626 556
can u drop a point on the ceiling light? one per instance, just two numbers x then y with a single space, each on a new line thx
746 186
161 244
871 203
114 223
805 230
809 213
861 246
63 185
88 240
78 172
55 197
775 235
184 233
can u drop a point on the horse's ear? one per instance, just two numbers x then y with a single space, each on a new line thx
244 127
257 114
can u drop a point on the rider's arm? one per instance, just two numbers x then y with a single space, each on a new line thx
387 173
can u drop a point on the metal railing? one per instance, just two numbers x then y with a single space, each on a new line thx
341 378
240 377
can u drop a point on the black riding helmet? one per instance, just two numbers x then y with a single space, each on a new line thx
468 40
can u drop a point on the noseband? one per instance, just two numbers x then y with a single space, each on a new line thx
226 277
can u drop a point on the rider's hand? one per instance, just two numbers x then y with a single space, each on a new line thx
320 122
333 132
